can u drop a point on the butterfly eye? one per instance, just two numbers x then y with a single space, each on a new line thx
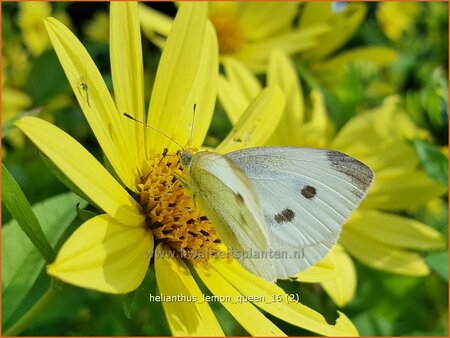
185 158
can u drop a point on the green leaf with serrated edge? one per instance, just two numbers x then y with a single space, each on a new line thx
438 262
20 209
21 262
432 161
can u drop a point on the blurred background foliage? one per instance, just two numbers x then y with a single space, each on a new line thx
33 83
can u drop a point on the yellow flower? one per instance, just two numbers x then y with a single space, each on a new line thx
30 21
395 18
15 65
373 235
97 29
14 102
343 19
246 31
111 252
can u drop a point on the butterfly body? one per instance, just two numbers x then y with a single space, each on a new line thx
287 202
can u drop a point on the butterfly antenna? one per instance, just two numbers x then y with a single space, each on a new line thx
192 124
152 128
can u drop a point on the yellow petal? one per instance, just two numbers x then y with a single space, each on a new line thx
282 73
342 288
177 71
374 128
265 19
257 123
104 255
383 257
274 300
127 72
94 99
400 190
29 20
342 25
318 131
319 272
190 317
13 102
397 155
238 89
83 170
256 55
251 319
333 70
154 23
394 230
203 93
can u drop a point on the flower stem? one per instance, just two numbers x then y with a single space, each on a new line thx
35 310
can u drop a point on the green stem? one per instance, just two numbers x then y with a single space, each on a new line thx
35 310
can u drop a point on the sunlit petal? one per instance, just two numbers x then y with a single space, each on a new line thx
394 230
238 90
381 256
251 319
264 19
127 73
189 317
323 270
178 68
82 169
95 100
104 255
294 313
257 123
342 288
281 72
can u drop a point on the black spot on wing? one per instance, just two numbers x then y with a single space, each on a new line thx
284 216
308 192
360 174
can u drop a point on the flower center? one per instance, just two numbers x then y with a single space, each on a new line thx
171 213
229 34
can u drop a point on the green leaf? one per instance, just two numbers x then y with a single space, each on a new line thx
21 262
127 302
84 214
20 209
432 160
438 262
46 66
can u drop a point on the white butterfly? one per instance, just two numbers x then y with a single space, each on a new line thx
287 202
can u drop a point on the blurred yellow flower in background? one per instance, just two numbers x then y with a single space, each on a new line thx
97 29
373 234
326 63
396 18
30 20
246 31
111 252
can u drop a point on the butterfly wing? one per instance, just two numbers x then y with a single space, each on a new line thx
229 200
306 195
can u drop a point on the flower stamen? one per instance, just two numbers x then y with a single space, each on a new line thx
171 213
229 34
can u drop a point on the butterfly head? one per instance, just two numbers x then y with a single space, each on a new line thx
185 158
